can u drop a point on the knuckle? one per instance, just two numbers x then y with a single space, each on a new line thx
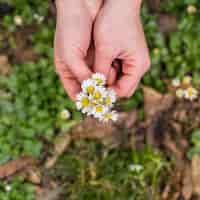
105 51
144 64
123 93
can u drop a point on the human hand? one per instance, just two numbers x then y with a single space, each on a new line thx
72 40
118 34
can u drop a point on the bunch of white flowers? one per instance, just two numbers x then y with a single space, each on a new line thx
184 88
96 100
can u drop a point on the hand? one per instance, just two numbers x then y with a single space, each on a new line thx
118 34
72 40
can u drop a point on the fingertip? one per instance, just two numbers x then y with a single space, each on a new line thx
120 93
79 69
72 88
124 87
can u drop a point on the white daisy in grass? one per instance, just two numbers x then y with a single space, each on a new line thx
187 80
180 93
136 168
18 20
191 93
8 188
110 98
65 114
99 78
109 116
99 111
83 102
191 9
88 86
176 82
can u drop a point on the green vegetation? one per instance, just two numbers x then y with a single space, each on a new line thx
16 189
31 99
111 175
195 139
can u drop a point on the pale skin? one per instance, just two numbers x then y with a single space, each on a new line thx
91 34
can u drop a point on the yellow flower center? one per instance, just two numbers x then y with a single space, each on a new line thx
90 89
108 100
99 109
108 116
99 81
85 101
190 92
187 80
97 95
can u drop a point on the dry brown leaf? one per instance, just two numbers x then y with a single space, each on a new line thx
154 5
155 102
172 147
187 189
90 128
23 51
167 23
61 143
14 166
52 194
5 67
152 99
25 54
165 193
175 196
196 174
34 176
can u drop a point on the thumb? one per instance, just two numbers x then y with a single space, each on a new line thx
102 62
79 68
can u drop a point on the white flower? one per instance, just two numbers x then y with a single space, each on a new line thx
8 188
65 114
99 78
176 82
180 93
99 110
191 9
95 99
18 20
88 86
83 102
156 50
109 116
191 93
98 94
110 98
38 17
187 80
135 168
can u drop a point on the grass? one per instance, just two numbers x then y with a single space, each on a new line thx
33 98
108 175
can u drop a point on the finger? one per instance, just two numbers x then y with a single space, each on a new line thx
115 69
128 82
70 84
102 63
90 55
79 68
112 76
117 64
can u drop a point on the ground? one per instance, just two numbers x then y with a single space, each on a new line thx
152 152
